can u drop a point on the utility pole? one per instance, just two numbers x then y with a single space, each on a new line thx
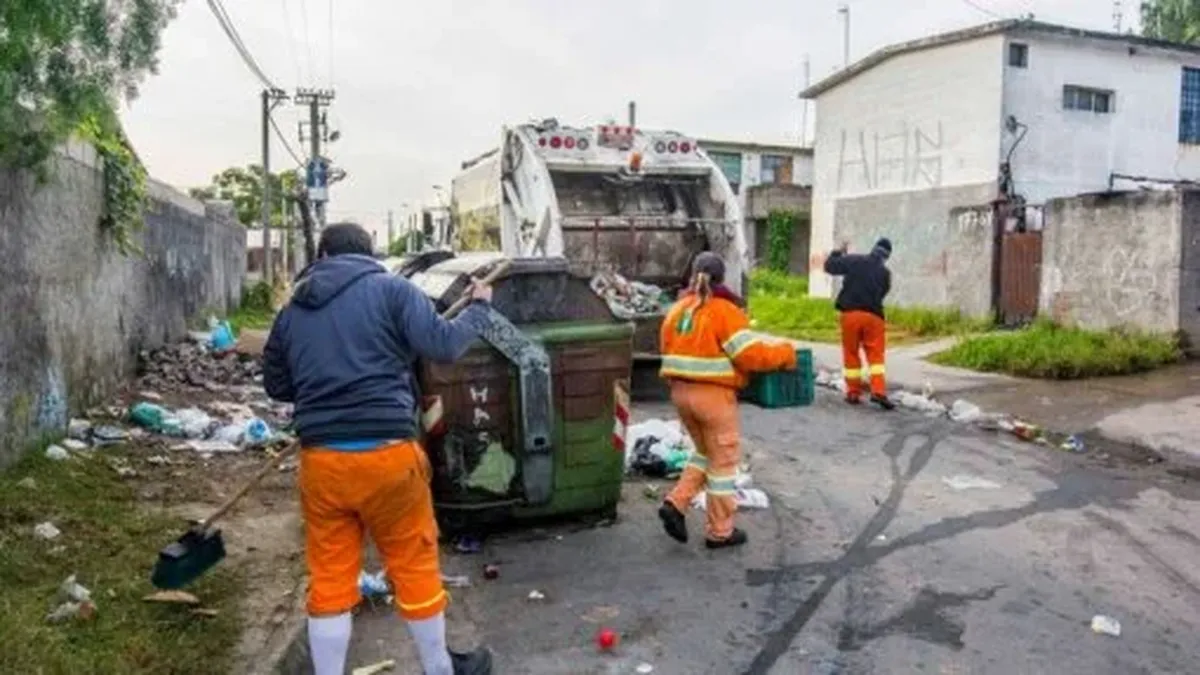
844 10
317 175
391 231
1118 15
804 103
633 114
270 98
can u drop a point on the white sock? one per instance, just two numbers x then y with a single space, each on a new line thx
329 640
430 636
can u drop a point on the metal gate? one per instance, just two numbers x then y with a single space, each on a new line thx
1019 277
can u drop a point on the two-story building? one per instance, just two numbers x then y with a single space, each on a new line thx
1015 109
768 177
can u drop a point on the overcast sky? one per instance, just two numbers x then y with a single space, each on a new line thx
423 85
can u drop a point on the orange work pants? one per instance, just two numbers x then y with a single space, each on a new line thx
384 493
709 413
865 331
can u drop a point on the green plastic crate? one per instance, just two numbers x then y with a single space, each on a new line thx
784 389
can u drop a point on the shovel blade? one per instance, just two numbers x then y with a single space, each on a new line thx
187 558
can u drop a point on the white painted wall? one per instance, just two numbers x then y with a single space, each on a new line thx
923 119
1067 152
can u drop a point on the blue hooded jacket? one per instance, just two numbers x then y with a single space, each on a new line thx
343 350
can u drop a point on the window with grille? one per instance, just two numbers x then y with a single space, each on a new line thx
1087 99
1189 106
776 169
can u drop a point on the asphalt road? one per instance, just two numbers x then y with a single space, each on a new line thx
868 561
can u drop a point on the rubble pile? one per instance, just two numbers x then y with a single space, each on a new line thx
630 299
192 364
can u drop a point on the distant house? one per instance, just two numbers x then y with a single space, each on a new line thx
768 177
1018 111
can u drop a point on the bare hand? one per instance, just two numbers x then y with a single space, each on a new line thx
481 291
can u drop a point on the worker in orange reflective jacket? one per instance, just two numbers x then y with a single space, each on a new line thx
708 350
866 282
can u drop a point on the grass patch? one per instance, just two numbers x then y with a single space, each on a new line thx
110 543
255 311
779 304
1045 350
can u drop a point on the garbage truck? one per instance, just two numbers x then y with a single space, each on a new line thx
627 208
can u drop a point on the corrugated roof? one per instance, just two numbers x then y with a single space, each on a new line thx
750 146
942 39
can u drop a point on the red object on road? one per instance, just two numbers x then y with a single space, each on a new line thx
606 639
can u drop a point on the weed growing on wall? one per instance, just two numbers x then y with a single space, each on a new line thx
124 180
781 225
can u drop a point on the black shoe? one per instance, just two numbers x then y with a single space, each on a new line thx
883 402
735 538
478 662
673 522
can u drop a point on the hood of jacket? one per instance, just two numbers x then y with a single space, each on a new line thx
326 278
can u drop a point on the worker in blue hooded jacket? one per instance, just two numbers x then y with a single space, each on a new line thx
344 351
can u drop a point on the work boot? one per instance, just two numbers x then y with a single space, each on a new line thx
673 522
735 538
883 401
853 399
478 662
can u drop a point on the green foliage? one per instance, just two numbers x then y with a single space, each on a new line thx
398 247
780 227
65 61
1174 20
243 187
780 304
124 179
1046 350
257 309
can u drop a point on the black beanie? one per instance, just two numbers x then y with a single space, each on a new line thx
884 246
711 264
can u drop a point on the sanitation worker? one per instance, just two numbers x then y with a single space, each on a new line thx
708 350
343 351
866 282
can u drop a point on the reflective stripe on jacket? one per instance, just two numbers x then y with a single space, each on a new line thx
712 342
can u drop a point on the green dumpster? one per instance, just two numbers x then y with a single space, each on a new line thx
523 426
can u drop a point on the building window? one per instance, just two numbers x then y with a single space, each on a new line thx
1088 99
731 165
776 169
1189 106
1018 55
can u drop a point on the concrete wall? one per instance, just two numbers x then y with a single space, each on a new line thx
1069 152
1111 260
75 312
922 125
942 247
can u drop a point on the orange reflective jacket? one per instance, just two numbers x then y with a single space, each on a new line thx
711 341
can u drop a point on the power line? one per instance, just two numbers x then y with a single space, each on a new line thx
980 8
330 28
291 39
283 139
312 71
231 32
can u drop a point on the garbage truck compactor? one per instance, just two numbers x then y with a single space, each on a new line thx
628 209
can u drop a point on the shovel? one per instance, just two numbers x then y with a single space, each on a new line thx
201 548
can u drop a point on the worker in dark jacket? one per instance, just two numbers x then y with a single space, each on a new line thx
343 351
866 282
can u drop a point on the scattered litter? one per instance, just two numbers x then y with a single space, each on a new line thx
75 602
651 491
123 470
79 429
645 669
373 585
194 422
157 460
919 403
172 598
72 590
210 447
606 639
375 668
1106 625
74 445
601 614
630 299
491 571
881 538
657 448
965 411
258 432
28 483
746 499
109 435
156 418
1073 444
963 482
221 340
466 544
927 389
205 611
150 396
537 595
46 531
456 581
57 453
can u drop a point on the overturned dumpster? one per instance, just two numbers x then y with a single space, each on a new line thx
523 426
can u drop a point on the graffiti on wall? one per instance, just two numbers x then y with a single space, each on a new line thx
52 405
908 156
1132 281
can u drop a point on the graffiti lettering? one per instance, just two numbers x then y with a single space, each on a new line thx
479 395
970 220
905 157
1131 281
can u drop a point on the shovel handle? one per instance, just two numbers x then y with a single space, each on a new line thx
237 496
491 277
